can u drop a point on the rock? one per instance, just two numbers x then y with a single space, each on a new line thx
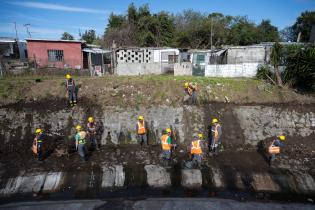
53 181
305 183
191 178
264 182
227 100
113 176
217 178
157 176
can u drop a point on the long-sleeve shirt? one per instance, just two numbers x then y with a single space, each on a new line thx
219 131
91 128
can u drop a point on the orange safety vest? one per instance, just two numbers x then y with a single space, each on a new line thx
34 146
195 147
216 133
141 128
165 144
273 149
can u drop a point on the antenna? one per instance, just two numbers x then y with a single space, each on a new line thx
28 32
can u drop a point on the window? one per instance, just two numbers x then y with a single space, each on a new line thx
172 59
55 55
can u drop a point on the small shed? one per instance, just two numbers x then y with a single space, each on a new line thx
97 60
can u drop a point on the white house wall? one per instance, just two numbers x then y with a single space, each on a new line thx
232 70
239 55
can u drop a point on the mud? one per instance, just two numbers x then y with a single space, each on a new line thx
118 169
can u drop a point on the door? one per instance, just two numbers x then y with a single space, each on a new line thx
199 64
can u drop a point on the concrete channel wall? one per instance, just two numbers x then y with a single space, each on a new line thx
240 124
156 177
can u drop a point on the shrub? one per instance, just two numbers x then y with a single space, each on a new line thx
263 72
300 70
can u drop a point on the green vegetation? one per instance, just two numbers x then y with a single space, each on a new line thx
300 70
299 62
188 29
67 36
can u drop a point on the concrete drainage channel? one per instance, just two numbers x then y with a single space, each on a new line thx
156 181
122 170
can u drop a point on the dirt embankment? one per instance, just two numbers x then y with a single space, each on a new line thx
145 91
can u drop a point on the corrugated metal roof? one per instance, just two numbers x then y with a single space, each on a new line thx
96 50
55 40
7 40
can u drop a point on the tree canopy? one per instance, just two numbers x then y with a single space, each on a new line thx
67 36
89 36
191 29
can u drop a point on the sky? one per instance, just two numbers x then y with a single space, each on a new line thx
49 19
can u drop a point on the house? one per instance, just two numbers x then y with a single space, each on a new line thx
230 61
12 48
143 61
55 53
97 60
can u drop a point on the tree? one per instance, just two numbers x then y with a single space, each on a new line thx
300 70
115 21
67 36
89 36
304 25
243 32
275 58
287 34
267 32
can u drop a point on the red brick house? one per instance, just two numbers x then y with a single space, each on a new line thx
55 53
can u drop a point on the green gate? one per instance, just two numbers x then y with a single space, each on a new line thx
199 64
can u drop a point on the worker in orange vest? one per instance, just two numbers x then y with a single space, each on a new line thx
275 148
91 131
141 130
38 144
70 85
196 151
215 136
166 143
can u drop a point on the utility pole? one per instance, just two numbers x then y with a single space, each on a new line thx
16 34
211 28
28 32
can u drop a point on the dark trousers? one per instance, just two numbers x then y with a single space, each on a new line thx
143 139
72 95
40 151
93 141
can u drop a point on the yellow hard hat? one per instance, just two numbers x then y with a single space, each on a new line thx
282 137
140 118
38 130
68 76
90 119
215 120
168 130
186 84
78 127
200 135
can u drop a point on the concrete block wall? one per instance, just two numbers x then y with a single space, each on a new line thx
134 56
238 55
184 68
232 70
138 68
